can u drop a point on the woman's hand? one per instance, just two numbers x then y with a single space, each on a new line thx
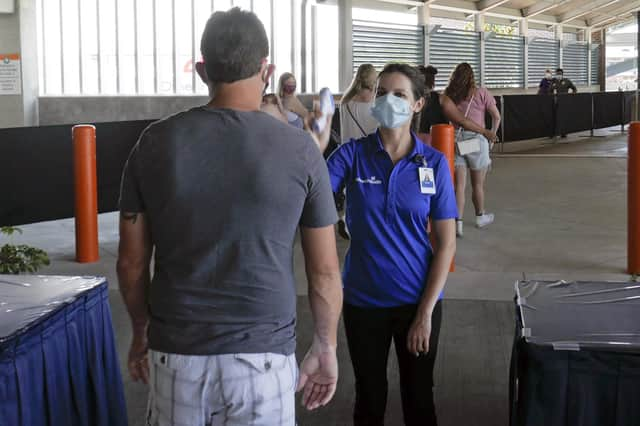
322 138
419 334
491 136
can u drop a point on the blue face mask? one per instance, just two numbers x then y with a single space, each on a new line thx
391 111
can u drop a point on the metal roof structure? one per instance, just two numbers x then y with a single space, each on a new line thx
574 15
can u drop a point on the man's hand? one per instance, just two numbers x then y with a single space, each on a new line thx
318 376
418 337
138 358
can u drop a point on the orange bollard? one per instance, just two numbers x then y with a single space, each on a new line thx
633 200
443 138
86 193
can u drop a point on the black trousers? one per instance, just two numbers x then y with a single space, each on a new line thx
369 334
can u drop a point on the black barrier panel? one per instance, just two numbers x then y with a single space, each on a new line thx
36 169
607 109
528 117
114 141
573 113
628 107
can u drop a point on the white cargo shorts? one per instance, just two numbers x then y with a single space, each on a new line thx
222 390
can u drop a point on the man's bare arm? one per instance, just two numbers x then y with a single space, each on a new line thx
134 257
319 369
325 284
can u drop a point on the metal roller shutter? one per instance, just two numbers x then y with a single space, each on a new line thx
595 63
543 54
380 43
448 48
574 62
504 61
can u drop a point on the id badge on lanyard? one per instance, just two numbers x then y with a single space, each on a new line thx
427 180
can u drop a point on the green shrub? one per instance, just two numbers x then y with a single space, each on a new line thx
17 259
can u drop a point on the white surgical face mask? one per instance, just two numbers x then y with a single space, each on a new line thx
391 111
547 76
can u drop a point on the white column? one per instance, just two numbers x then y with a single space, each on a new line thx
560 37
524 33
345 35
478 20
587 38
18 34
424 17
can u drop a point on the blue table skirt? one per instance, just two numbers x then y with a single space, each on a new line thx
63 370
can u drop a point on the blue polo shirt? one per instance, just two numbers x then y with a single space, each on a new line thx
387 214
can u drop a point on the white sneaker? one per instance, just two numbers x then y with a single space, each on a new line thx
459 232
484 220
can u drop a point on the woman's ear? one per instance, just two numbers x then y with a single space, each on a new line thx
418 106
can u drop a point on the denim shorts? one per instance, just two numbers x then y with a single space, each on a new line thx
479 160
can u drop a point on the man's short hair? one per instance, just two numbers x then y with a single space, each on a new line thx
233 45
560 70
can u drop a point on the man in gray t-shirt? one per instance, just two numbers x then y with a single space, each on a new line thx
218 192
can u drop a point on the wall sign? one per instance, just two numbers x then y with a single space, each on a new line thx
10 80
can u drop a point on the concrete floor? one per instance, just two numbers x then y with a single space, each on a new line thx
560 214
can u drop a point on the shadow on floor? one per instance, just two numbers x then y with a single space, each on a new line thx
471 371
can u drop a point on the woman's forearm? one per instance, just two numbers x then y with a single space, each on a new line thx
471 125
438 272
495 123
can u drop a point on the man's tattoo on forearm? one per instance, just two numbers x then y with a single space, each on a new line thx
133 217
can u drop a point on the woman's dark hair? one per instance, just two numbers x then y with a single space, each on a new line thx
461 83
233 46
429 72
416 78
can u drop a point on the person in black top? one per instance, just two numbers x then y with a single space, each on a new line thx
562 85
432 111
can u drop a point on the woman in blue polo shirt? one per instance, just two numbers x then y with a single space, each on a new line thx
393 277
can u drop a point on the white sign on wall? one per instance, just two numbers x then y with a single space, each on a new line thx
10 81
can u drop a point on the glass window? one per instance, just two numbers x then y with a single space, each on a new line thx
149 46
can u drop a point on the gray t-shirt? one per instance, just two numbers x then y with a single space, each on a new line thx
224 192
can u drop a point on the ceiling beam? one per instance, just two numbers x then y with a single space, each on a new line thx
585 10
613 14
541 7
405 2
485 5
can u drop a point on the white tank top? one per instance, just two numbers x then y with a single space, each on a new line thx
348 127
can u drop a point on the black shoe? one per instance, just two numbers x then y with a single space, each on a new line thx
342 230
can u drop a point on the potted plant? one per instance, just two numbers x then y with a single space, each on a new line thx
17 259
